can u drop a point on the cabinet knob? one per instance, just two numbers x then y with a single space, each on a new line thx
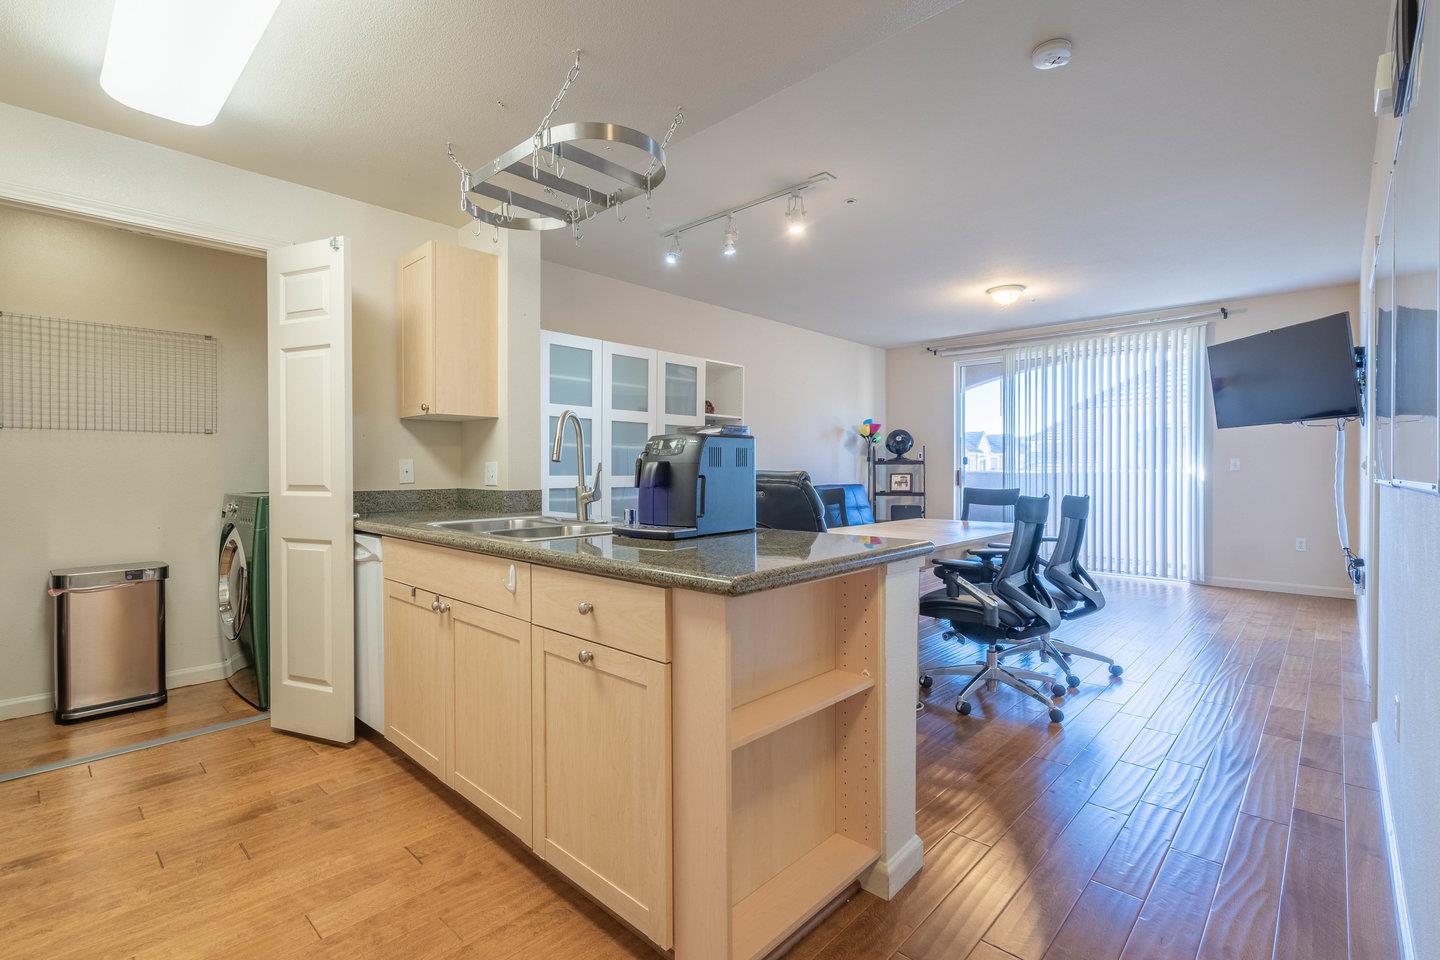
585 607
586 656
438 605
424 408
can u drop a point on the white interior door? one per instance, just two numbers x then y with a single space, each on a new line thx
629 418
569 380
312 635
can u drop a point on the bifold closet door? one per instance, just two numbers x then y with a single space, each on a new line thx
312 613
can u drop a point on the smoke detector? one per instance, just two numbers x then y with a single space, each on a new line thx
1051 55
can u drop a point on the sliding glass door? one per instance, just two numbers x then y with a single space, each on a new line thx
980 430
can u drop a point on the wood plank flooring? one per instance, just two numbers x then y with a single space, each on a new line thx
1218 801
33 741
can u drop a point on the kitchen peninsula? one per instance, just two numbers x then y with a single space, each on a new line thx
714 738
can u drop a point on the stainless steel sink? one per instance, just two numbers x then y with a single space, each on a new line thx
525 528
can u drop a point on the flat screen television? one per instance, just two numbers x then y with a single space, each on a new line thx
1303 372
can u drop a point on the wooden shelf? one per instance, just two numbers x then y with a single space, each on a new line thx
762 717
780 906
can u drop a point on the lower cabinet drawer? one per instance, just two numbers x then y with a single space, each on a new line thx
634 617
490 582
602 776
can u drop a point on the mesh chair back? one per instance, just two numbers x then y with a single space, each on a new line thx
1018 583
994 504
1064 570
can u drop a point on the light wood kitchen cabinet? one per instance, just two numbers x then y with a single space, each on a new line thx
602 776
449 333
491 764
418 676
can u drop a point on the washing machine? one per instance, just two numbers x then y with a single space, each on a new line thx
243 594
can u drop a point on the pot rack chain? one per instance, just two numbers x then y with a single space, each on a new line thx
542 159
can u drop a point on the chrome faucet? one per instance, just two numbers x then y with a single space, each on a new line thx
584 496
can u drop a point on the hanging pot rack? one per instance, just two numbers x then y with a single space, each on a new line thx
538 164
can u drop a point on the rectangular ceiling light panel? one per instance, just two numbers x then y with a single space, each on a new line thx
179 59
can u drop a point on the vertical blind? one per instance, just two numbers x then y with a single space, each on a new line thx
1118 417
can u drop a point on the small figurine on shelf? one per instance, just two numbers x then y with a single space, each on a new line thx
869 430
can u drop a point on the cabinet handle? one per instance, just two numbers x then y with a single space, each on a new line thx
510 580
438 605
585 607
585 656
424 408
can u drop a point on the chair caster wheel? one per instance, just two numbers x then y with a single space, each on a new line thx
963 707
1057 690
1073 680
1057 716
1116 669
926 681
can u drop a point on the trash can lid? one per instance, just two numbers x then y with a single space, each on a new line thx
106 574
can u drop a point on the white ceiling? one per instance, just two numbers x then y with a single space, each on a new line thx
1191 152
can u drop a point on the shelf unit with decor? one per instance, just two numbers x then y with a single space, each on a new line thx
880 472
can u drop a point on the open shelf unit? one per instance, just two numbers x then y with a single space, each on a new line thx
880 471
804 731
725 388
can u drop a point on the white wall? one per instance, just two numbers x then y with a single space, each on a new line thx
804 391
1283 490
56 163
76 497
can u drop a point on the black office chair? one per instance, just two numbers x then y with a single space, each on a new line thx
1017 609
787 500
999 504
1075 591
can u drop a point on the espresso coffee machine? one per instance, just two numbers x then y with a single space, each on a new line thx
695 483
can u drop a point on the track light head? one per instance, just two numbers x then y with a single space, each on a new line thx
731 235
672 256
795 215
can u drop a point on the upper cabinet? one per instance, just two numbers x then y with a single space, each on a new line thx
449 333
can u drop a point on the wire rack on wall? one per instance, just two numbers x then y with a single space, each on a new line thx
58 374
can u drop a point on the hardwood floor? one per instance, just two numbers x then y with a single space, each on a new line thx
1218 801
33 741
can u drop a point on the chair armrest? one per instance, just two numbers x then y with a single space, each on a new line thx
955 583
989 552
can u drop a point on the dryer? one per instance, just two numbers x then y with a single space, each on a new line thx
243 594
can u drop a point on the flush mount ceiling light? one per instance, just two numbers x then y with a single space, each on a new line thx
1006 293
179 59
794 214
1051 55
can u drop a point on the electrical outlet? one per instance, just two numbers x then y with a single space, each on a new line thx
492 473
1397 718
407 471
1300 546
1234 464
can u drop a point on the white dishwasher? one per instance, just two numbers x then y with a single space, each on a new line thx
369 632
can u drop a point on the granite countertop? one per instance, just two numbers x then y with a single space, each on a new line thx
730 564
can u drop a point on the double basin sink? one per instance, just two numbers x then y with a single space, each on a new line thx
526 528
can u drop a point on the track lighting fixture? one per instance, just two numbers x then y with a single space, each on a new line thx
795 215
672 256
731 235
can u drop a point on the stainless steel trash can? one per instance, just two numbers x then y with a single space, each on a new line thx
109 638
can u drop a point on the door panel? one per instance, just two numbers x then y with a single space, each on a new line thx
417 677
491 763
312 679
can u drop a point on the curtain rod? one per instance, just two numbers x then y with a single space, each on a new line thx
999 341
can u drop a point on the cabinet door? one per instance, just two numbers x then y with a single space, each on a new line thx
682 391
628 419
417 332
570 376
602 776
417 677
493 719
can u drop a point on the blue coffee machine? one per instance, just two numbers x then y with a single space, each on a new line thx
694 483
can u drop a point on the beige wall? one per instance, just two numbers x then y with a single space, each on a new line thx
56 163
804 391
1282 491
71 497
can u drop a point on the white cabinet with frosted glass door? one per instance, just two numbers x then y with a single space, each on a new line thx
681 382
631 411
570 379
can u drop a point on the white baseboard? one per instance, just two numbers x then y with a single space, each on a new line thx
29 706
1275 586
885 879
1397 880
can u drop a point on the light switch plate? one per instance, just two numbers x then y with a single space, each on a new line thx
407 471
492 473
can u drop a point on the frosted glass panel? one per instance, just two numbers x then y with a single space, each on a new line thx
566 466
572 380
681 390
622 499
561 502
627 442
629 383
